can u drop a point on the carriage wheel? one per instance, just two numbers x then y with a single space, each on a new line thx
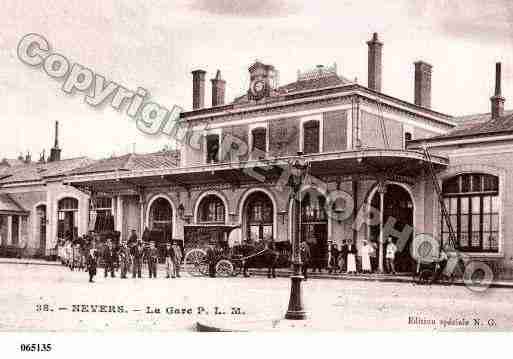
195 262
224 268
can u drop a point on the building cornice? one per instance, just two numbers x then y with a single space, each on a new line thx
319 97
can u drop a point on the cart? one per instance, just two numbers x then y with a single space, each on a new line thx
229 261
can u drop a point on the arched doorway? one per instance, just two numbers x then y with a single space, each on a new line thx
258 217
314 226
67 215
161 217
41 227
398 204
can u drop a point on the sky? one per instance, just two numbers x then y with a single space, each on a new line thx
156 44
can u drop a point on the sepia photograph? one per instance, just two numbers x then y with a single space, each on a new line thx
255 166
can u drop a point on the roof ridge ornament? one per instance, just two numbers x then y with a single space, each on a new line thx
320 71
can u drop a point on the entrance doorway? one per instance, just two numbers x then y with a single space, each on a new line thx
160 221
314 227
399 205
67 217
258 217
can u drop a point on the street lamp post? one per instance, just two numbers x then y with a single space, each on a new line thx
296 310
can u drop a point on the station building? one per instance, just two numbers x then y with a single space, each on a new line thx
364 148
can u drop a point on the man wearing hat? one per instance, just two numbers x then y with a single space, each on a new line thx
124 259
177 250
91 263
211 258
109 257
137 253
152 256
169 254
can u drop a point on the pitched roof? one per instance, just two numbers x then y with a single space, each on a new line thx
314 83
36 171
132 162
11 162
479 124
10 206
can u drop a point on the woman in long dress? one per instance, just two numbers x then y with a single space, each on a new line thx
351 258
366 252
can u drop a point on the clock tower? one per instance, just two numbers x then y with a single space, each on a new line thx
263 80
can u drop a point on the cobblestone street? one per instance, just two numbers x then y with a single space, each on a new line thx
333 304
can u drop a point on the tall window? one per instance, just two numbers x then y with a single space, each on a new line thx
314 221
212 148
211 210
259 217
312 209
472 201
100 214
259 144
66 218
311 137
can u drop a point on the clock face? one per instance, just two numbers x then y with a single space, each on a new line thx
257 88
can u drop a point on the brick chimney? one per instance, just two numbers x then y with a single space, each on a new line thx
423 72
497 100
198 89
374 63
55 151
218 89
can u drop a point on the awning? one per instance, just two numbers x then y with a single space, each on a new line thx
355 164
8 206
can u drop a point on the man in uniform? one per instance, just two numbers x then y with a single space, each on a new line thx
109 257
124 259
177 250
304 252
272 257
169 254
91 263
137 253
152 256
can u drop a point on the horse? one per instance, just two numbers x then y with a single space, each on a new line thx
262 254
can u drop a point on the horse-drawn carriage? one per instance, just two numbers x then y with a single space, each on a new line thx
230 260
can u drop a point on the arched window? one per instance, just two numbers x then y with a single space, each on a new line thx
311 142
408 136
314 224
472 201
211 210
161 215
259 142
259 215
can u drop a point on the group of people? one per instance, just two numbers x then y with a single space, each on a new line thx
131 255
344 260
